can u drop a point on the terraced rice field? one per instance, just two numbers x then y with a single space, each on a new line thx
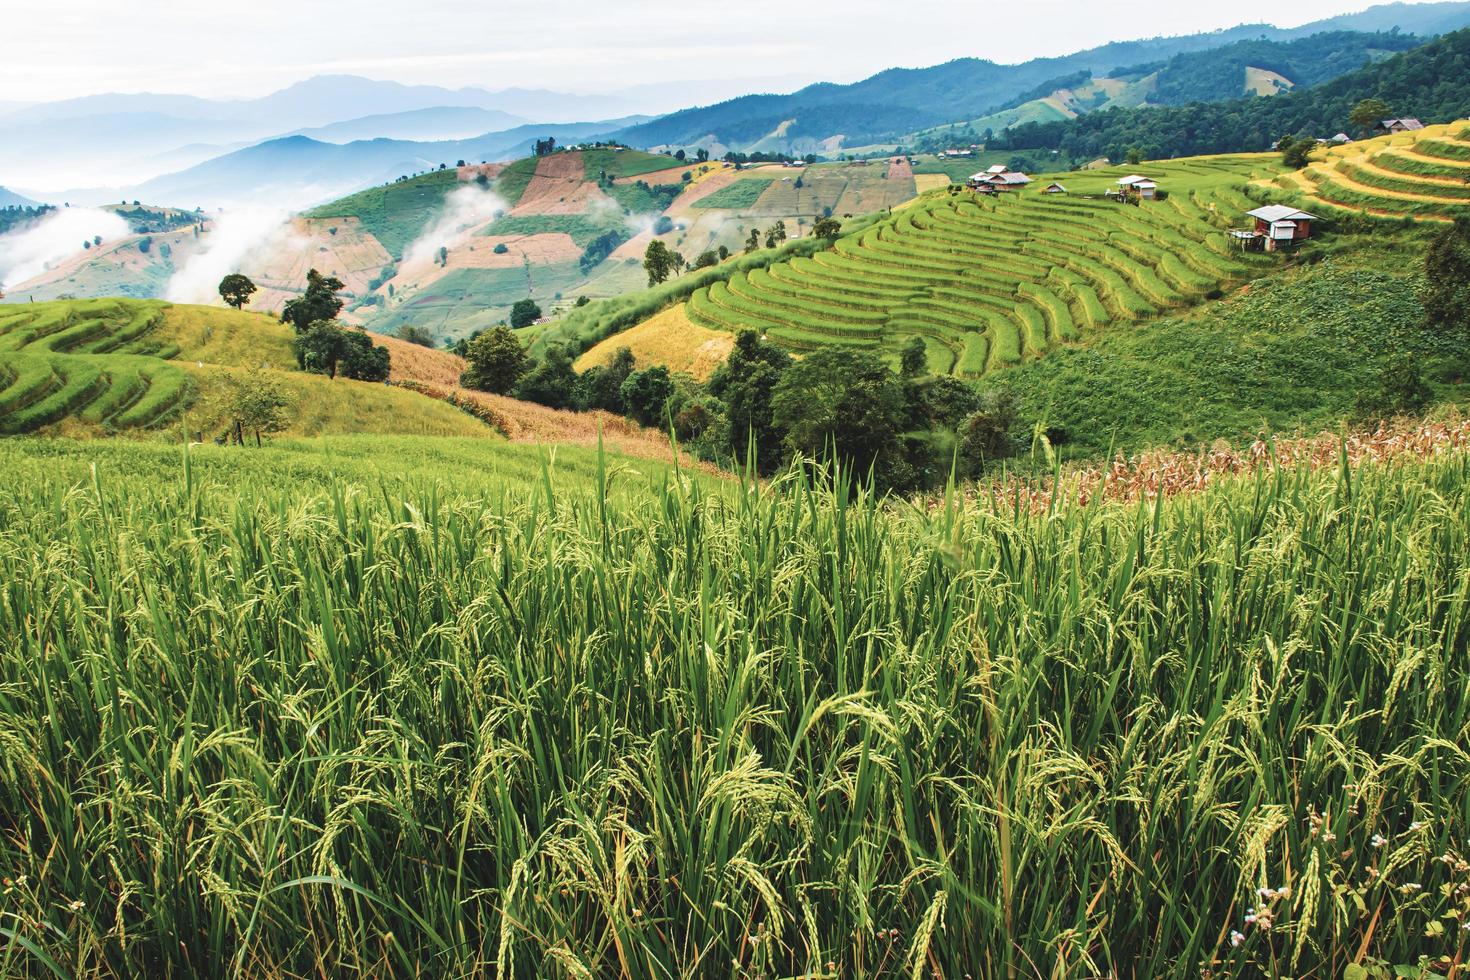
99 361
1423 175
988 283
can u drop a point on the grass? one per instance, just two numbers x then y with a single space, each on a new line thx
395 214
396 706
738 196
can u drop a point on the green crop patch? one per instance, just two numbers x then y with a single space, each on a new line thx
739 196
395 214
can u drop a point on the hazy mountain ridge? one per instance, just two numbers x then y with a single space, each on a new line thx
902 100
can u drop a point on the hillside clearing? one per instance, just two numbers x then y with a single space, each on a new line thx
668 338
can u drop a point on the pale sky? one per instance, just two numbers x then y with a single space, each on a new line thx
62 48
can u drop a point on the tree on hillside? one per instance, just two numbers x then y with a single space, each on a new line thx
319 347
844 405
416 335
1296 153
496 361
745 385
912 361
552 381
1369 113
709 257
326 348
1447 281
702 154
524 313
827 227
645 393
318 303
658 262
254 403
361 359
753 241
236 290
602 387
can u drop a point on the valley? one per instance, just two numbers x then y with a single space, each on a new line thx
544 516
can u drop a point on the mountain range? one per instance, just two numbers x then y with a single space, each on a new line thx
334 134
901 100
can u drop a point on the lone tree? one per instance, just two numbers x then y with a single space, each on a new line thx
753 241
1296 153
645 393
1447 275
318 303
328 349
524 313
496 362
658 262
1368 113
236 290
254 403
912 361
828 228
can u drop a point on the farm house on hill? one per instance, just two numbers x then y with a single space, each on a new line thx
991 182
1135 184
1277 226
1055 187
1405 125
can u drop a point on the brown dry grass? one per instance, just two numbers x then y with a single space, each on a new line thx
411 362
1148 475
531 423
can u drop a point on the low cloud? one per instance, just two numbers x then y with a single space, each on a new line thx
237 240
464 210
30 251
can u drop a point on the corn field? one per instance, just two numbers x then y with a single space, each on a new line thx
438 728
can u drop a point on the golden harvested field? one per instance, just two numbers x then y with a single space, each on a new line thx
411 362
670 339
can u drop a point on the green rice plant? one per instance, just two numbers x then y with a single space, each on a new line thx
80 380
169 390
974 356
469 719
1444 148
32 378
1058 315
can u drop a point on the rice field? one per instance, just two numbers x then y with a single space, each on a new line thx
100 360
407 707
1423 175
988 283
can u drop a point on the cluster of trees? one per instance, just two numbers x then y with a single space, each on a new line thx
143 220
325 346
17 215
763 406
1424 82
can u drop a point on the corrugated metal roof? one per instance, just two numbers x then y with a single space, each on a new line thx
1280 212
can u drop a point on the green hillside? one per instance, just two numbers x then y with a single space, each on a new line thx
394 213
989 283
1295 352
